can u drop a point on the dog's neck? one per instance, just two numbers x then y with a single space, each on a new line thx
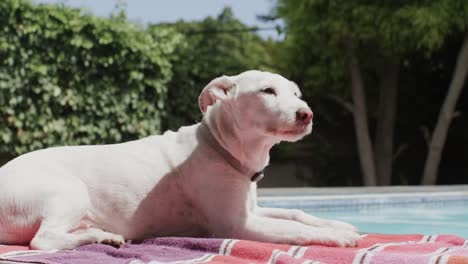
251 150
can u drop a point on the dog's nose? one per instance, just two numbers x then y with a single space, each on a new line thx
304 115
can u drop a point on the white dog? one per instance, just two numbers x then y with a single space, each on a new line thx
198 181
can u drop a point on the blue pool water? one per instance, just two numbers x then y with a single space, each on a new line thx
391 214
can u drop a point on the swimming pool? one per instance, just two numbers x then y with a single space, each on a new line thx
432 212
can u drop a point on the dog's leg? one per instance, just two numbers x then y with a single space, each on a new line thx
266 229
59 238
300 216
62 225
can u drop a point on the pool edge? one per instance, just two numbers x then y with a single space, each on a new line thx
341 191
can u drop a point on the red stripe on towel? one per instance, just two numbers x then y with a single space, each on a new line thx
256 251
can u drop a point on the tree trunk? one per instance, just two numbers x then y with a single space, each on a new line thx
445 116
386 121
366 154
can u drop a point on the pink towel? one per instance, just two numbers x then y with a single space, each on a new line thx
373 248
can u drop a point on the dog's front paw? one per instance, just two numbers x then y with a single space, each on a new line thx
345 238
332 237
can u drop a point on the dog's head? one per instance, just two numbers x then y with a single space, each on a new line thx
260 102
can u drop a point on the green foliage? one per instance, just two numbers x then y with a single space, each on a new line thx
71 78
211 48
320 32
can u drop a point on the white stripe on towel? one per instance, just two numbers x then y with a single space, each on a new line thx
226 246
365 255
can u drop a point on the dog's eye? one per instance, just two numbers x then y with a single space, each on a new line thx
269 90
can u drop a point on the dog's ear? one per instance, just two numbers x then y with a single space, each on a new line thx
217 89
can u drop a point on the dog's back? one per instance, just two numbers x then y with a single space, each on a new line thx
110 181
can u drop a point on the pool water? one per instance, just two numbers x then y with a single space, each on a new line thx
388 214
406 220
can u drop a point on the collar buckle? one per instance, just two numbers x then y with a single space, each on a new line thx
257 176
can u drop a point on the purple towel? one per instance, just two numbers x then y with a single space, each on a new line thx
152 250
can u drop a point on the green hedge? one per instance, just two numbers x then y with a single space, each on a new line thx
70 78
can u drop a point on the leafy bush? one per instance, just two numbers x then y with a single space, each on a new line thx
71 78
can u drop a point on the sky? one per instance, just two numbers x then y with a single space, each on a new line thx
155 11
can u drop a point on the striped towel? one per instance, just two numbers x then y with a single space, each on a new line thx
373 248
